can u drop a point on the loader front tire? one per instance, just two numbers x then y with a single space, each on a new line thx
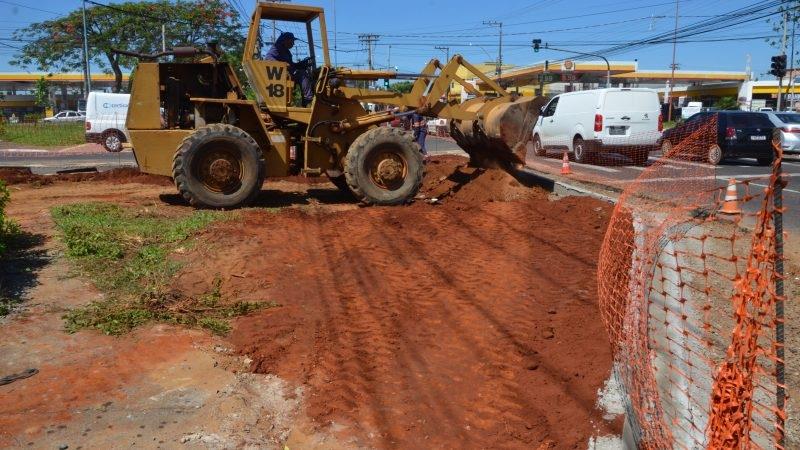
384 167
218 166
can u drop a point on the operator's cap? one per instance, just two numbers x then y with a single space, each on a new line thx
286 35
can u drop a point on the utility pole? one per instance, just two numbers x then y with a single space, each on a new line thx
673 65
88 72
493 23
335 49
368 40
446 50
791 66
783 52
163 38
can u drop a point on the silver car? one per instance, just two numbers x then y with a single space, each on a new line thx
66 116
789 124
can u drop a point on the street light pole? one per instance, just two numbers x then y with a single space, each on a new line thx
608 65
88 72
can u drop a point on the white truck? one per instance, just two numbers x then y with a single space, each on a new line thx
614 120
105 119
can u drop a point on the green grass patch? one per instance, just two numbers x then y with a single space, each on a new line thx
8 228
126 253
44 134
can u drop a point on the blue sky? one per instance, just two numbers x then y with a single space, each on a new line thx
409 30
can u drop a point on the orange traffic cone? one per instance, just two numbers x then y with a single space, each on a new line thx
731 205
565 170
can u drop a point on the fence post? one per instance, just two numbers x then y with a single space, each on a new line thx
777 218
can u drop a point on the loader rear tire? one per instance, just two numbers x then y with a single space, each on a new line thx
384 167
218 166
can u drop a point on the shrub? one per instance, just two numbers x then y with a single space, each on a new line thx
7 226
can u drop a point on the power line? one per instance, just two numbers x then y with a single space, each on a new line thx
29 7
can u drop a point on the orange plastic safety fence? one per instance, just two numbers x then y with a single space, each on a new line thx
686 282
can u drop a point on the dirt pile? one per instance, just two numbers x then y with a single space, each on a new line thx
448 179
13 175
425 326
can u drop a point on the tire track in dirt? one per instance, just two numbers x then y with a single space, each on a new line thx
468 325
506 391
433 327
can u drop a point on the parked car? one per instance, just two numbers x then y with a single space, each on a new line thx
65 116
105 119
739 134
584 123
789 124
691 109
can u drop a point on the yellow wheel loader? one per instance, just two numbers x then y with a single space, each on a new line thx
190 119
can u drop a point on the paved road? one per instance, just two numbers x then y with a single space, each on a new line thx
683 177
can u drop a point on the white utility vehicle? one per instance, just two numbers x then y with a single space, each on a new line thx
614 120
105 119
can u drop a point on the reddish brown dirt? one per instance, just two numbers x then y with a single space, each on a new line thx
449 179
472 324
124 175
426 326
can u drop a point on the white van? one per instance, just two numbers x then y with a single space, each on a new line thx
105 119
619 120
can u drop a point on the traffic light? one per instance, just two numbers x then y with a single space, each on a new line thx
778 67
546 65
536 44
386 84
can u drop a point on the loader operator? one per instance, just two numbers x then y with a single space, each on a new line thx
281 51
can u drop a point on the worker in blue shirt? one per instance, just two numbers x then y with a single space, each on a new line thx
420 128
299 71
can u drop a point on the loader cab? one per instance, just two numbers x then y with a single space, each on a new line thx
272 81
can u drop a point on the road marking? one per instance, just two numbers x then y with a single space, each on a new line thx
675 161
715 177
600 168
572 163
23 150
784 189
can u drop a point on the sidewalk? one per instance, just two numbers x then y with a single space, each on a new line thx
8 149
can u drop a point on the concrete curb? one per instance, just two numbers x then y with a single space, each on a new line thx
37 153
545 180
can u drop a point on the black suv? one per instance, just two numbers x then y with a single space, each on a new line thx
740 134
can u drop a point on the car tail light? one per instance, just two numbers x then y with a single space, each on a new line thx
598 122
790 130
88 125
730 133
660 122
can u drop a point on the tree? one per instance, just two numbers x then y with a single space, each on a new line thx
401 87
726 103
42 92
57 45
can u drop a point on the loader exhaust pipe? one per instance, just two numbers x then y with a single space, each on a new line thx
499 135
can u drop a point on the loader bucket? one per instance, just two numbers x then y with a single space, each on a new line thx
500 132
